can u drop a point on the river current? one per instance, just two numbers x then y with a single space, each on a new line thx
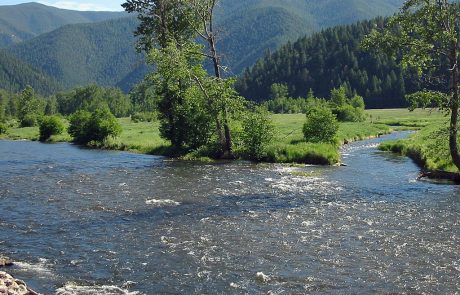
80 221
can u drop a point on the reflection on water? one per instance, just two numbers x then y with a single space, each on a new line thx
96 222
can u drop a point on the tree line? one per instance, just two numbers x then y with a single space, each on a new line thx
327 60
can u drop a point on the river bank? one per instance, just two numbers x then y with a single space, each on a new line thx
428 148
10 285
288 145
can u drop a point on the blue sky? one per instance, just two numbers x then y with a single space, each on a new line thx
98 5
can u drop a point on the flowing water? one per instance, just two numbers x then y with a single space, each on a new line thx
82 221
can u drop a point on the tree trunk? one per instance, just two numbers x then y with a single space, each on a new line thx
227 143
453 132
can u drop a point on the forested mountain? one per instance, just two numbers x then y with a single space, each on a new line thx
15 75
248 28
104 52
327 60
82 54
26 21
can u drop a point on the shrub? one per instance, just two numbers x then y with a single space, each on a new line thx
3 128
144 117
29 120
86 127
50 125
321 126
348 113
257 133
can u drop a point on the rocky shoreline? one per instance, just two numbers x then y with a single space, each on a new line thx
9 285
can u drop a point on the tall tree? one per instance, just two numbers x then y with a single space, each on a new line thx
427 32
161 21
169 28
204 9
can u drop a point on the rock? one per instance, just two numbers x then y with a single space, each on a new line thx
5 261
11 286
262 278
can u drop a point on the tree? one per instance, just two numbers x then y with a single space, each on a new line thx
50 125
257 133
31 108
85 127
189 97
162 21
321 126
205 11
426 34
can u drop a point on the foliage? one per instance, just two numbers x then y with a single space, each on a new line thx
144 117
257 134
50 125
321 126
279 91
327 60
183 114
3 128
143 97
93 97
426 35
86 127
31 108
286 105
346 109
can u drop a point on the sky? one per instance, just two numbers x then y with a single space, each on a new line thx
93 5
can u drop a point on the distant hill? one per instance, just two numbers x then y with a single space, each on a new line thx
26 21
327 60
81 54
104 53
15 75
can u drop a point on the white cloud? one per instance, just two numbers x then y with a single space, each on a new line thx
82 6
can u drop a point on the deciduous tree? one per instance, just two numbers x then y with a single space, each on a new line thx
426 33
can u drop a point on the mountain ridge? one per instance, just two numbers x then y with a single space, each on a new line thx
25 21
248 29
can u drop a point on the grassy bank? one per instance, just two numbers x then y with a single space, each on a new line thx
429 146
288 145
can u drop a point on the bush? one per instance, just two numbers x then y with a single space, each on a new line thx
144 117
348 113
86 127
29 120
321 126
3 128
50 125
257 133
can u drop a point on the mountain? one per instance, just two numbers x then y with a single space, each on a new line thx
327 60
104 53
248 28
26 21
15 75
81 54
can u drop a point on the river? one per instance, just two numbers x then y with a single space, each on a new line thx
81 221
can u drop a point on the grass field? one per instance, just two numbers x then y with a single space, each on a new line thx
288 145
